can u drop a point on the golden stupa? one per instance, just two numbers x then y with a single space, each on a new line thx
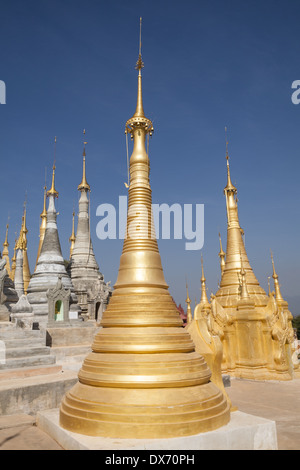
255 327
13 263
5 253
206 338
22 245
143 378
72 238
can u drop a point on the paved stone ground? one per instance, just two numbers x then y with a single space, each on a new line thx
18 432
278 401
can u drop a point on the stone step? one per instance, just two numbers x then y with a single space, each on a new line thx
20 362
24 343
18 333
67 352
27 352
29 371
32 394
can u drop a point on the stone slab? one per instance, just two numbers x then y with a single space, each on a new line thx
243 432
71 335
29 372
32 394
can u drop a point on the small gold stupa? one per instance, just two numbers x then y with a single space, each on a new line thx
206 337
22 245
72 238
13 262
143 378
5 253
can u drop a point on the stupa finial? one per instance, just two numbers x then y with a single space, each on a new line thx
229 186
139 120
52 191
84 184
278 295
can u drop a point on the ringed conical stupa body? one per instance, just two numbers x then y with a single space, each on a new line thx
50 267
91 290
143 378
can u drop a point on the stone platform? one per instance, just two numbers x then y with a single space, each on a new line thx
22 348
71 344
39 390
243 432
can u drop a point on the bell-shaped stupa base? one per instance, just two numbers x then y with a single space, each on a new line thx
143 380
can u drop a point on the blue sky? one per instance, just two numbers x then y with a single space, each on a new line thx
69 65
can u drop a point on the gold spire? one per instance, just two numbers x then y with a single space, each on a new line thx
222 256
52 191
229 292
278 295
22 245
43 225
139 112
26 270
13 262
229 186
139 119
5 253
189 315
44 212
204 299
84 184
6 244
24 228
143 372
20 241
72 237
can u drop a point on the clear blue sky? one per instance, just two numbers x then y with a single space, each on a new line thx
69 65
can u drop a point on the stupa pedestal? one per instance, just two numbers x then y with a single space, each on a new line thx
22 313
243 432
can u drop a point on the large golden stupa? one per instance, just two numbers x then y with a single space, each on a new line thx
143 378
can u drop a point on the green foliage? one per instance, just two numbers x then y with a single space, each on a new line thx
66 263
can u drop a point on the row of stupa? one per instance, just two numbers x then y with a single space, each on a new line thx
147 376
89 292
